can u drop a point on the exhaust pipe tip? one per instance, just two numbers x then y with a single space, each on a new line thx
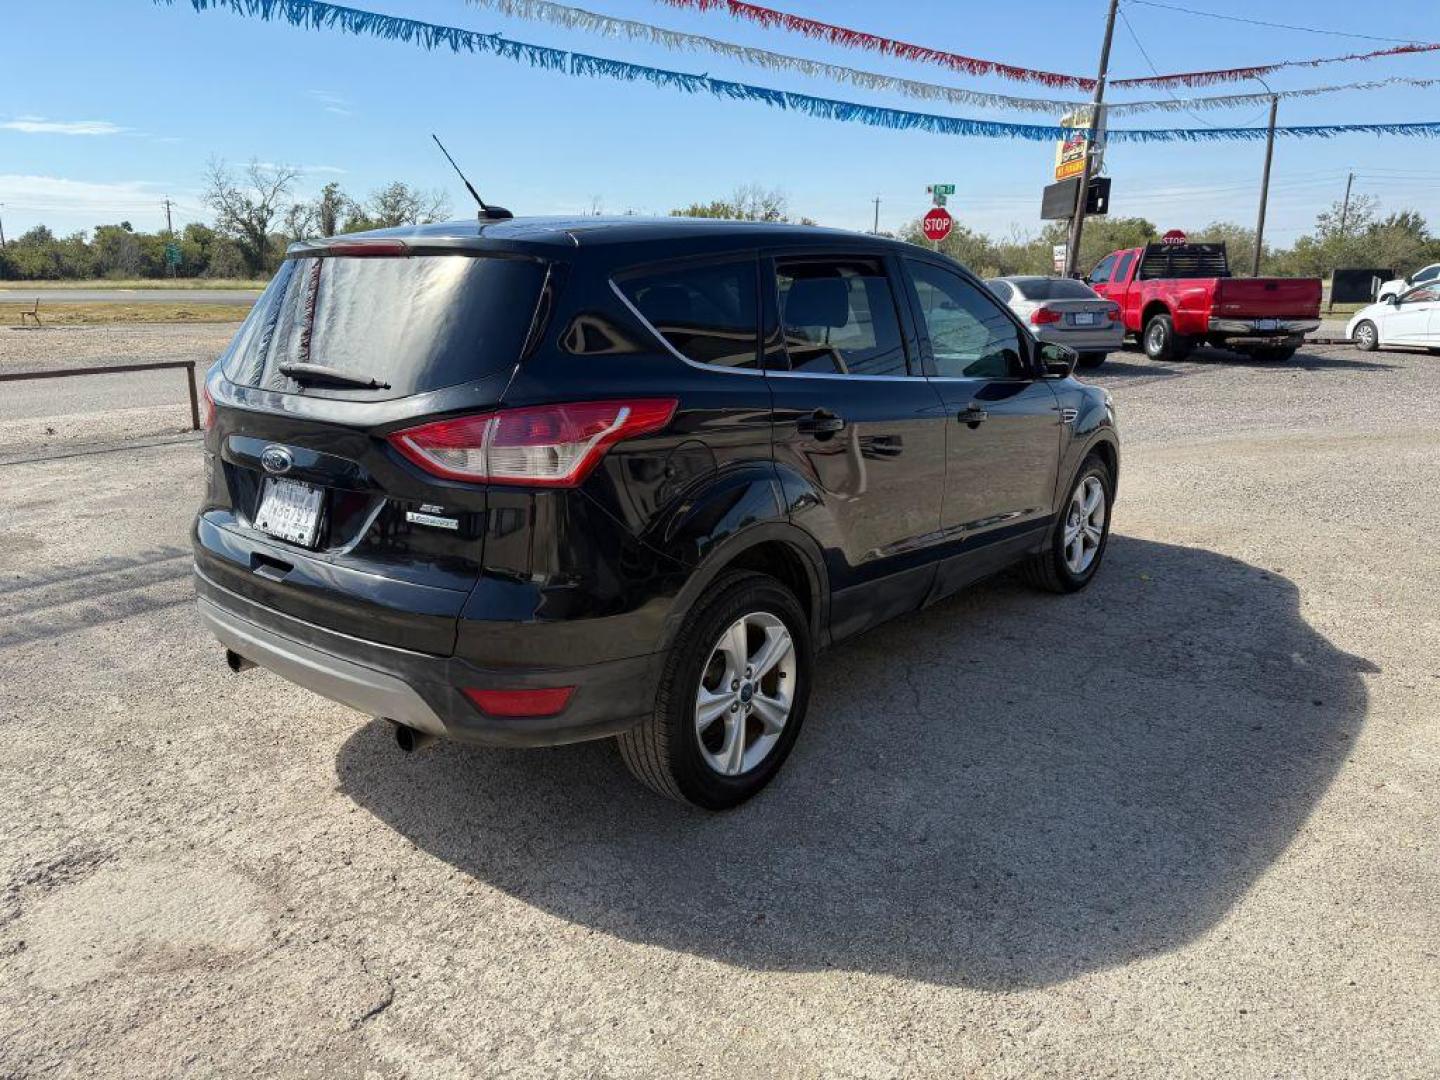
410 739
237 663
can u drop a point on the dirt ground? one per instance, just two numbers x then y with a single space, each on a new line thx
1183 824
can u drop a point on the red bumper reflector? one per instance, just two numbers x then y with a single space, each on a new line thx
521 703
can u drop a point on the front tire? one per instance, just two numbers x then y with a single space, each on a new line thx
1366 336
1162 343
1074 552
732 696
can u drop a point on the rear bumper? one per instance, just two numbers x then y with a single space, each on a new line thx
1107 338
1263 327
423 691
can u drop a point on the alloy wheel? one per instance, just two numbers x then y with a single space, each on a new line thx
1084 524
746 691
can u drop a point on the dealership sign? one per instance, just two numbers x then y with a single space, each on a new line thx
1070 152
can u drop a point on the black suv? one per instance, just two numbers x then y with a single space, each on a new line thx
536 481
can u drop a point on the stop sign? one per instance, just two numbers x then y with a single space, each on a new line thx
1174 238
937 224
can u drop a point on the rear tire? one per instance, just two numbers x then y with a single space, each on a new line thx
1091 359
720 696
1162 343
1061 567
1366 336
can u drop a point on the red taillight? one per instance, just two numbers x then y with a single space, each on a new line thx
1042 315
207 408
546 446
530 704
1114 314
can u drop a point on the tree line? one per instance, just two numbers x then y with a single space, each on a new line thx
256 217
1359 237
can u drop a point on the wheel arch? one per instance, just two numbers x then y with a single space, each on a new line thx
777 548
1150 310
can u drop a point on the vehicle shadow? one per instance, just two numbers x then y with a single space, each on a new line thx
1309 358
1004 791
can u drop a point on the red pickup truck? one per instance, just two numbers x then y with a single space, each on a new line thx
1176 296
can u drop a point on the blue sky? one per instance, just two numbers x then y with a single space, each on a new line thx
128 101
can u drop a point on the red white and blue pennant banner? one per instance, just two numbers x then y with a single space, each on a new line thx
573 18
317 15
860 39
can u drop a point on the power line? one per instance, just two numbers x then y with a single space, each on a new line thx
1156 71
1277 25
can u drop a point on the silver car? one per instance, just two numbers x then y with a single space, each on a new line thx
1066 312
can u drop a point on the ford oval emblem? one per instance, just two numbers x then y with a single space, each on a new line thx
277 460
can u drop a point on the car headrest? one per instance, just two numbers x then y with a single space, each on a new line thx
817 302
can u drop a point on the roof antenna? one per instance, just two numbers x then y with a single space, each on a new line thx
487 213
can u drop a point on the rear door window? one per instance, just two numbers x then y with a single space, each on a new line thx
707 314
418 323
839 317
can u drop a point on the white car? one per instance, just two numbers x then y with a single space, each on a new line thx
1422 276
1412 318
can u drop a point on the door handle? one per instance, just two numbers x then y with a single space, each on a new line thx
821 422
972 416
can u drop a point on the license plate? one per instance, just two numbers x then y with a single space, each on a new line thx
290 510
1084 318
1267 324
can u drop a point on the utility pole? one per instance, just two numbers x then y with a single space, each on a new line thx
1345 207
1265 186
2 225
169 228
1077 223
876 230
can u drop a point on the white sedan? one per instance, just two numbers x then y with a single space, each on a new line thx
1412 318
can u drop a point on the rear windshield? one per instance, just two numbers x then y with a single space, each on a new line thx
417 323
1053 289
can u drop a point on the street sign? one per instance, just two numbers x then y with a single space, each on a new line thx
937 224
940 189
1058 253
1174 238
172 254
939 200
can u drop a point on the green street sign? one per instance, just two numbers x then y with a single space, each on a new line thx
172 254
941 189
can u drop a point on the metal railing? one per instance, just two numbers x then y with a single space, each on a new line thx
120 369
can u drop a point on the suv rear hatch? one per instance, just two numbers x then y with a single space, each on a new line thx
310 510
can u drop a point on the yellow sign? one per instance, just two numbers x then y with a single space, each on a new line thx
1070 154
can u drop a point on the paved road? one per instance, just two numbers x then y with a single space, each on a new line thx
238 297
94 393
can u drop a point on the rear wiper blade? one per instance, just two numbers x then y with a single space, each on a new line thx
320 375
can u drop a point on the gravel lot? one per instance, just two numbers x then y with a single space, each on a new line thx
1184 824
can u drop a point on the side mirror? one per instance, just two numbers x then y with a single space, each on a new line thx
1395 300
1057 361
